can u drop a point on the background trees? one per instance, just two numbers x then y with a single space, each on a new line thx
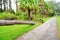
6 4
10 5
58 7
55 6
1 5
28 9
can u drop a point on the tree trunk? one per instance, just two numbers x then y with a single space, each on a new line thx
16 6
7 4
29 14
1 5
11 22
10 8
4 2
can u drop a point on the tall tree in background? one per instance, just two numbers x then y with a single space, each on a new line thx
7 4
10 8
1 5
4 2
53 4
16 5
58 7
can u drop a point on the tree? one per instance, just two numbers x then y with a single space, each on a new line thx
1 5
32 8
10 8
29 6
52 3
58 7
16 5
4 2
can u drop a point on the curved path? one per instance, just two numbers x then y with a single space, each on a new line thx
46 31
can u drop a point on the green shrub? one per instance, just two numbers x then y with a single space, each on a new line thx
22 16
7 16
1 10
38 18
11 11
17 13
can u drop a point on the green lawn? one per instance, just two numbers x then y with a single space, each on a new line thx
58 20
12 31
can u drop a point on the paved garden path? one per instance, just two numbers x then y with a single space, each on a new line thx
46 31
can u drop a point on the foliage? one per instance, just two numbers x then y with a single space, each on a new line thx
29 7
11 11
57 7
49 9
7 16
22 16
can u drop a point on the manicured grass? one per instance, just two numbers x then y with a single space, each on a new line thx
13 31
58 20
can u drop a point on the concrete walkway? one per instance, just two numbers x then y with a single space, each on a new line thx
46 31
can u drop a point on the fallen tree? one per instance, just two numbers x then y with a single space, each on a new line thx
11 22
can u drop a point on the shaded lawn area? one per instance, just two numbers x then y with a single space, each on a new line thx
58 20
13 31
